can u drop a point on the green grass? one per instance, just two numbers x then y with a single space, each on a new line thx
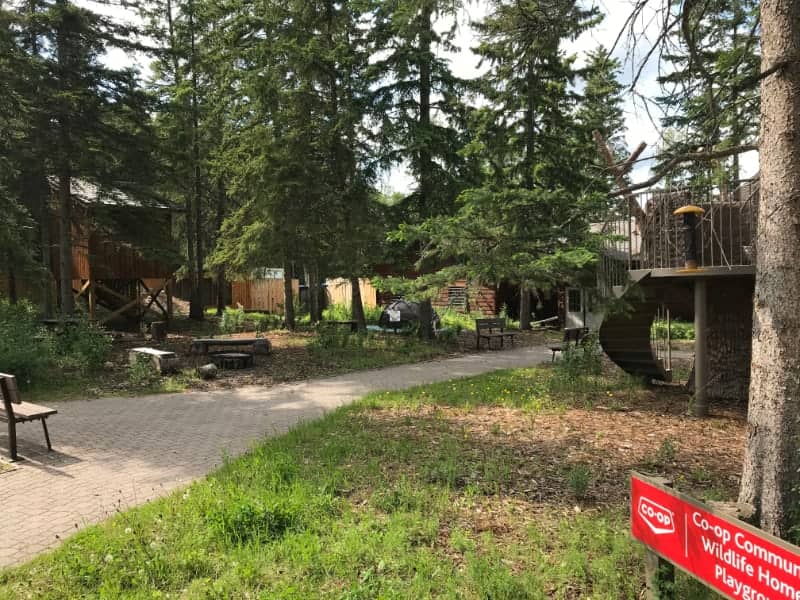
388 498
338 349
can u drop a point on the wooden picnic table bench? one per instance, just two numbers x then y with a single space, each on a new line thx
489 329
572 337
14 411
202 345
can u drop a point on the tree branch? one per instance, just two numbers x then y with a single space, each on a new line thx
691 156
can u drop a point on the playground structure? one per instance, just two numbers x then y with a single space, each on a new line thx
690 250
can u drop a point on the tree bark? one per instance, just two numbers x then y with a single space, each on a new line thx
524 306
194 237
64 52
357 305
313 294
47 274
288 298
425 156
65 237
771 472
222 200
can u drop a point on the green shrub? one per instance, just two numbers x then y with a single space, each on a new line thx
337 337
579 476
457 321
343 312
25 346
142 375
82 346
679 330
236 319
231 320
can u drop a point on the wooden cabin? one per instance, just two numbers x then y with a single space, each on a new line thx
123 254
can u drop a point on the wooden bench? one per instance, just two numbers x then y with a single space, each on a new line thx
572 337
489 329
163 360
202 345
15 411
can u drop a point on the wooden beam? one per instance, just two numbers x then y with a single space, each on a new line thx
119 311
84 287
154 295
92 301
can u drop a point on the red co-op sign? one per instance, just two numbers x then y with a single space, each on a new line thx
737 560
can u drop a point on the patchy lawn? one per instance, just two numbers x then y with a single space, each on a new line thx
298 355
509 485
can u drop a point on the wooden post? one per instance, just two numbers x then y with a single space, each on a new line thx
659 573
700 400
92 300
169 300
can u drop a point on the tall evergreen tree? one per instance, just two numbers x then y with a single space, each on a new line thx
418 103
529 134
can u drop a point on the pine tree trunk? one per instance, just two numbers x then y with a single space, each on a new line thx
425 160
313 294
357 306
44 236
426 320
771 472
288 298
196 308
64 52
524 306
65 238
222 200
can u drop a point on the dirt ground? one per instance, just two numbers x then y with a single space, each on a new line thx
647 430
291 358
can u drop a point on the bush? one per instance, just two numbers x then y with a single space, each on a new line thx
679 330
28 350
458 321
337 337
142 375
343 312
82 346
25 346
236 319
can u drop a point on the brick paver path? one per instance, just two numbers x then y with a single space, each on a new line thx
114 453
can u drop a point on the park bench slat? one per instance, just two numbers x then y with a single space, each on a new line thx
490 329
14 411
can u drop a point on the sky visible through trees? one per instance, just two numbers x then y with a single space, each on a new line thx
641 110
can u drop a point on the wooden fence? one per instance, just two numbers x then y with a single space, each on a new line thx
341 292
261 294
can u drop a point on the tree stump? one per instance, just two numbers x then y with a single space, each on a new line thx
158 329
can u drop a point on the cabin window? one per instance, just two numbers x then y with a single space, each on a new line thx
573 300
457 296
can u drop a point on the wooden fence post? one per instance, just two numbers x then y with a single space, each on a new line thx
659 573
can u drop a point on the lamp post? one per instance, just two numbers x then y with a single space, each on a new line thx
690 214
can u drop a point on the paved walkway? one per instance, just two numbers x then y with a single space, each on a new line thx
113 453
